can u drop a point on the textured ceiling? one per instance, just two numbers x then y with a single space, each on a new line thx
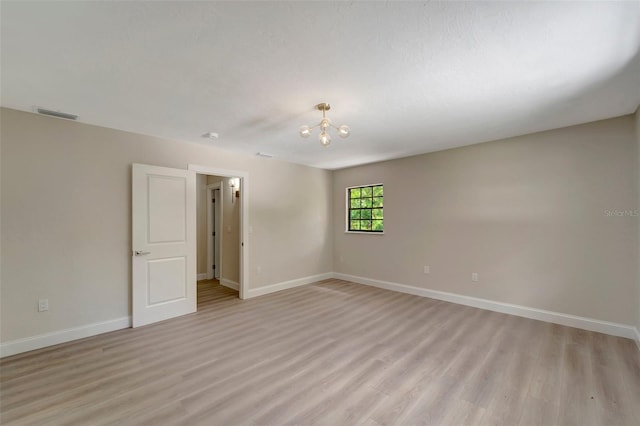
407 77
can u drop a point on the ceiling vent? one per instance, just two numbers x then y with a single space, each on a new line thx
211 135
58 114
264 155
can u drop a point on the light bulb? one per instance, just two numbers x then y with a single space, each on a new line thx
325 138
343 131
305 131
324 123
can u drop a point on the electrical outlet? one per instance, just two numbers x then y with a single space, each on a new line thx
426 269
474 277
43 305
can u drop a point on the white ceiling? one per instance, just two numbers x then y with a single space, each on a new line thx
407 77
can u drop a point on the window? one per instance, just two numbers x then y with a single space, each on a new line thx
364 208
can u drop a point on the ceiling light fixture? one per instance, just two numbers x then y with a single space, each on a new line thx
324 124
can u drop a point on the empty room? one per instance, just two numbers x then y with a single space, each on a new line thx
319 213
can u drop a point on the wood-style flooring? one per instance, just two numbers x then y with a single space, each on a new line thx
331 353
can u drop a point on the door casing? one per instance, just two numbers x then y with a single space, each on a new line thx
214 211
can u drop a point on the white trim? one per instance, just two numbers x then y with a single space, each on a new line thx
365 184
228 283
204 276
14 347
254 292
210 228
244 219
590 324
364 232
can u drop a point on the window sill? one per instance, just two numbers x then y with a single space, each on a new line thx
365 233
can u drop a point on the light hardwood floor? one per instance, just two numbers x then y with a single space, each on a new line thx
332 353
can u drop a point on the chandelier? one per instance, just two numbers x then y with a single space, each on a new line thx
324 124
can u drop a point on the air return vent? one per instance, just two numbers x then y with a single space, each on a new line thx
58 114
264 155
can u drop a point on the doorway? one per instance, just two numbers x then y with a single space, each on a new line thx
164 207
224 233
218 230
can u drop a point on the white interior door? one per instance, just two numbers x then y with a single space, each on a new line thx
164 243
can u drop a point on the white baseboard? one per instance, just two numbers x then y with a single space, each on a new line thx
205 276
228 283
590 324
54 338
14 347
254 292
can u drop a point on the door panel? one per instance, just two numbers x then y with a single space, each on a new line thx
167 196
164 243
166 280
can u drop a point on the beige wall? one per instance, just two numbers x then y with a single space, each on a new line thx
213 179
526 214
201 223
229 253
66 218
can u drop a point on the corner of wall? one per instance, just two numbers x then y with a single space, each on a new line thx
332 218
637 121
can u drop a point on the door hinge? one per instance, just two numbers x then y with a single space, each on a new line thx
213 233
214 267
213 200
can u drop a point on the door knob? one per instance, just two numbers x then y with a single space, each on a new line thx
142 253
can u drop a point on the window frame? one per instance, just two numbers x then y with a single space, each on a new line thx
347 210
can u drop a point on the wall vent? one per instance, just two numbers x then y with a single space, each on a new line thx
58 114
